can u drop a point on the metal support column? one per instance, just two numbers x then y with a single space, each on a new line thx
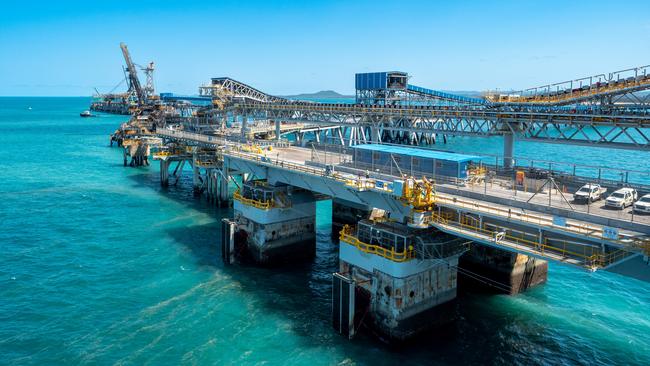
224 178
244 126
508 150
164 173
375 136
196 181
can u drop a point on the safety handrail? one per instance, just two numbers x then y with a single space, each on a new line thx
592 259
264 205
346 236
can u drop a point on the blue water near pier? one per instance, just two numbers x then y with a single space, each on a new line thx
99 265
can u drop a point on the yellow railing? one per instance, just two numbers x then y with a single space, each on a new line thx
591 256
514 214
604 260
264 205
205 163
165 153
346 235
643 245
589 259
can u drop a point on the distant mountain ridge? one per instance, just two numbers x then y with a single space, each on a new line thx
323 94
331 94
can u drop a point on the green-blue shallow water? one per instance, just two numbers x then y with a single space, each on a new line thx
99 265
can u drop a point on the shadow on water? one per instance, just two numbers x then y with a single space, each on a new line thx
300 293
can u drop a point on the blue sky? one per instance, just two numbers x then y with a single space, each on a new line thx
284 47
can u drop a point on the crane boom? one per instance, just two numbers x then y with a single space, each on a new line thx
133 75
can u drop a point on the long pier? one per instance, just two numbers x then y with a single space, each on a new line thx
409 219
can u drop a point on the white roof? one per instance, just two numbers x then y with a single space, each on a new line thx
623 190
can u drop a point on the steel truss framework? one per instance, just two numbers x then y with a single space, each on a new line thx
413 123
224 90
598 90
414 96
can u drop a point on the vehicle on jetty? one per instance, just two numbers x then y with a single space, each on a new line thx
622 198
643 204
589 193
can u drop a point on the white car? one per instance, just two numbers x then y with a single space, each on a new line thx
643 204
589 193
621 198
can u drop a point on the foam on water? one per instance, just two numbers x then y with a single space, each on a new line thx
99 265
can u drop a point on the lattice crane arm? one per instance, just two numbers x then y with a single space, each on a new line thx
133 74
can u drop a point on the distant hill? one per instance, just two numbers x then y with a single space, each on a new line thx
323 94
465 93
331 94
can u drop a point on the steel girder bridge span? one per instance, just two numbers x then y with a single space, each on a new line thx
414 125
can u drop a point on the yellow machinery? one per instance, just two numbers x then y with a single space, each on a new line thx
419 193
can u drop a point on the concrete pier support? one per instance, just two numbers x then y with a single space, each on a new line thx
208 185
274 224
400 290
228 229
222 192
277 130
508 150
164 173
139 153
215 187
346 213
499 271
214 184
196 177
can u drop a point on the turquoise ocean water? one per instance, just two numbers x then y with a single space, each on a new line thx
99 265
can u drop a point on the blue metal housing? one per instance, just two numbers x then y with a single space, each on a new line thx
414 160
381 80
392 88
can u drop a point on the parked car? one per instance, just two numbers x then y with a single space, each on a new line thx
621 198
643 204
589 193
537 173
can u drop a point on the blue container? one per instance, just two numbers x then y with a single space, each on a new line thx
371 81
413 160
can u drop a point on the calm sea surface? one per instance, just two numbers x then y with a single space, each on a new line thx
99 265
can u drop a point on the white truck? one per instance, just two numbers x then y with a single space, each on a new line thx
589 193
621 198
643 204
